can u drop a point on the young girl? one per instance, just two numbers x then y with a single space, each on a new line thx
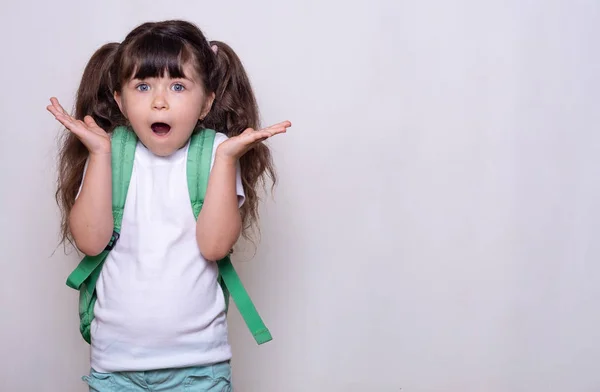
160 315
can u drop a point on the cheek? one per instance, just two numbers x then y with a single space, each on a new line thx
190 108
131 107
125 104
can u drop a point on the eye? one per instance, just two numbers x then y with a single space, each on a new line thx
142 87
178 87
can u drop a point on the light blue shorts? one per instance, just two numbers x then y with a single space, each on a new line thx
215 378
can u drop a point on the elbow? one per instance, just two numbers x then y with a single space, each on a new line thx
215 245
214 253
214 256
90 248
214 249
91 240
92 243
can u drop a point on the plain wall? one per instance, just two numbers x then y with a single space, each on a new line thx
436 223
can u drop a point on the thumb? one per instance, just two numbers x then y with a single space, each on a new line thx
89 121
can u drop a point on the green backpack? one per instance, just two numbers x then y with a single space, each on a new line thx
85 276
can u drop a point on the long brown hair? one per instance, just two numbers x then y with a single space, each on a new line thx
151 50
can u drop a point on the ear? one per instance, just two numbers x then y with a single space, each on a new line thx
207 106
118 99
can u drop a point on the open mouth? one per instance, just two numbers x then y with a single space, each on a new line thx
160 129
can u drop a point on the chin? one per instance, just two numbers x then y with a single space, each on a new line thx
163 149
162 152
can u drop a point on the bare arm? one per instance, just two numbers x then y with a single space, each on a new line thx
219 222
91 219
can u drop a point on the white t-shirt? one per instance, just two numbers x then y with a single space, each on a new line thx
159 303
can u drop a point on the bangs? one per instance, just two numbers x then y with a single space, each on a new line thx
153 56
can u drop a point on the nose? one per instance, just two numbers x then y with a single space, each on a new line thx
159 102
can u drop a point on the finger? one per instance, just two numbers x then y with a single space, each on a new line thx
57 105
274 131
286 124
75 126
83 126
70 124
52 109
251 143
254 137
58 113
265 134
91 124
277 131
54 102
260 135
67 121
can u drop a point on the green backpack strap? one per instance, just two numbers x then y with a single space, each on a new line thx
85 276
198 171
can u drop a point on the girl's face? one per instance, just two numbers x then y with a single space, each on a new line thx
164 111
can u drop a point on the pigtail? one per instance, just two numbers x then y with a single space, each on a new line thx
94 98
95 93
234 110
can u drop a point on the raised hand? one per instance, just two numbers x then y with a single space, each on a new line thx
95 139
237 146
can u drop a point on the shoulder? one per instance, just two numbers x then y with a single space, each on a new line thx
220 138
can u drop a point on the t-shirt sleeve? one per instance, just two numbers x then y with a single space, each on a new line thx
220 138
83 177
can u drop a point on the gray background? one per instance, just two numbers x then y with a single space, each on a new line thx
436 223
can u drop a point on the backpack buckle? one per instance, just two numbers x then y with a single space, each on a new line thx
113 240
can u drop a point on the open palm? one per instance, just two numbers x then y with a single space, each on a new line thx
236 146
95 139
